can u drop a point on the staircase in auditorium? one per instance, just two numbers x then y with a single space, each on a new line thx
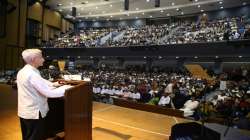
198 72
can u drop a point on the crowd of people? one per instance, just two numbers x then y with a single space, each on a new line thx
236 28
218 30
228 96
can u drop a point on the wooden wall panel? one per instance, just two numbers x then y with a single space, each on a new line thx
35 12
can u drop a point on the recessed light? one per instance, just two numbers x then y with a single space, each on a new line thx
111 16
162 11
96 7
177 57
196 0
221 7
148 0
177 9
202 10
196 57
220 2
199 6
172 4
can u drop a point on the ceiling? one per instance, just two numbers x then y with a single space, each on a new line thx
114 9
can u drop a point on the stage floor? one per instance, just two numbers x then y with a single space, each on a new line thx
109 122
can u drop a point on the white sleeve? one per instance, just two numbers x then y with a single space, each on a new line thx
44 87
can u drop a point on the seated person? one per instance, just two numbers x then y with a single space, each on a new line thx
165 100
190 106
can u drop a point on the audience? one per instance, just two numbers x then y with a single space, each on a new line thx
236 28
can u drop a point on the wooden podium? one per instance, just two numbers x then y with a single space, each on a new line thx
73 113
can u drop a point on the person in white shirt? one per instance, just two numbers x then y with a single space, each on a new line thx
33 92
189 107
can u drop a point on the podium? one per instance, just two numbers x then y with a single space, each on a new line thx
72 113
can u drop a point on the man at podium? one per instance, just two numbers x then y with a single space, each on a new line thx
33 92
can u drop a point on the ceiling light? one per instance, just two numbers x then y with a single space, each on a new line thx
60 10
177 9
162 11
59 4
199 6
244 3
216 56
196 0
202 10
221 7
111 5
182 13
196 57
168 14
136 9
240 56
148 0
150 16
177 57
220 2
143 13
172 4
111 16
96 7
71 3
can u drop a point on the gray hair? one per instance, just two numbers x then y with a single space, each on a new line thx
29 55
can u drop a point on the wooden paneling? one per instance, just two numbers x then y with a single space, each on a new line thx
52 18
35 12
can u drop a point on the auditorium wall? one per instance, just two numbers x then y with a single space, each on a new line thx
230 12
12 44
14 40
120 23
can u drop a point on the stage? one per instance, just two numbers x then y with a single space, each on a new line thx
109 122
